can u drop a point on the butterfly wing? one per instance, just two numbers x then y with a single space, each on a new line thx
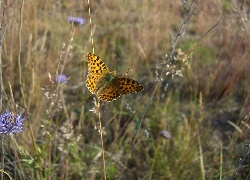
105 84
96 70
129 85
92 81
111 92
96 64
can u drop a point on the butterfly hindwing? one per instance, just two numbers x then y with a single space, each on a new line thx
129 85
111 92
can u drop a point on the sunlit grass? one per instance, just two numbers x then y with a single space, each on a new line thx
62 140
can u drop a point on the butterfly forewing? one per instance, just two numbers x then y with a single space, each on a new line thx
96 70
96 65
91 82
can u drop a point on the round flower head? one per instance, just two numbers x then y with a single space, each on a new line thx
76 20
11 123
61 79
166 134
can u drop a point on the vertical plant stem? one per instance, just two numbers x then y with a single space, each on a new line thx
1 43
201 155
90 27
1 77
1 86
155 156
103 155
221 159
2 149
35 146
19 52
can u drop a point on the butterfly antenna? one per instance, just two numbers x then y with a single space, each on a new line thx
90 27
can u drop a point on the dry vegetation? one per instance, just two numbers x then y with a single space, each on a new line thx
203 109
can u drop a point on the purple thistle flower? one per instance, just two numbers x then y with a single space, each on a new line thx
76 20
166 134
11 123
61 79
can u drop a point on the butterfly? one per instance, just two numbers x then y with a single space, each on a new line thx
105 83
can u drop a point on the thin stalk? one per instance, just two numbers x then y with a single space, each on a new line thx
90 27
154 160
201 155
103 155
2 149
221 159
19 53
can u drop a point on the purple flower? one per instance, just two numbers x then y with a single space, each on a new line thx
76 20
61 79
166 134
11 123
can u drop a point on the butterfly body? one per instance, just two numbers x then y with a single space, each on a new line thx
105 84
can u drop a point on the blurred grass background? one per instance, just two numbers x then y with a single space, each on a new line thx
135 35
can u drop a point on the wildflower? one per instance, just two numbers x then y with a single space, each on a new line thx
11 123
166 134
76 20
61 79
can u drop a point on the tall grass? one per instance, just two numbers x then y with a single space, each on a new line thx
202 100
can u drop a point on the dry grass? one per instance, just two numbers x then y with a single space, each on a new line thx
62 140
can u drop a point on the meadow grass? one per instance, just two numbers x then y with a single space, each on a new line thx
201 98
